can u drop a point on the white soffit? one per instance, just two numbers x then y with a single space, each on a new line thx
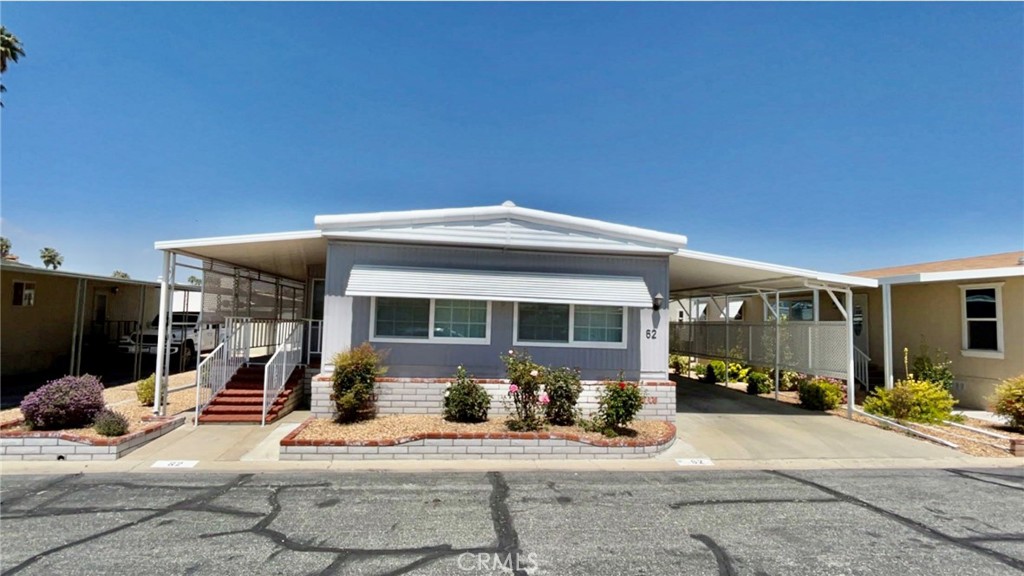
693 273
497 285
285 254
955 275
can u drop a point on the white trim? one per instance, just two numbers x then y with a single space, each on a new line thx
998 353
572 343
430 339
980 274
24 289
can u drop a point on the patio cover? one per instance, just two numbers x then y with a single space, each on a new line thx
695 274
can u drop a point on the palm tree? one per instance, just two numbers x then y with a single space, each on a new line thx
195 281
5 247
51 258
10 50
120 274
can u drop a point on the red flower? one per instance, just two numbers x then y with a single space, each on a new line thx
622 385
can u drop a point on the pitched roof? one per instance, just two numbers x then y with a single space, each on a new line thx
1004 260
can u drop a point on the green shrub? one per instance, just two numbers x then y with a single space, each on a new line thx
738 372
913 400
677 363
1008 401
354 382
820 394
465 400
935 369
145 390
68 402
790 380
526 379
562 389
759 383
110 423
618 404
715 371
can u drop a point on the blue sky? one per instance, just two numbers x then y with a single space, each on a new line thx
829 136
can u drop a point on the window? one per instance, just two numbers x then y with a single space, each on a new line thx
597 324
460 319
423 319
24 293
570 325
982 320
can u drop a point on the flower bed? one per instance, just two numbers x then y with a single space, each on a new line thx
426 395
17 443
430 437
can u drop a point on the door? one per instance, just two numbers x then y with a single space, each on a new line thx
860 322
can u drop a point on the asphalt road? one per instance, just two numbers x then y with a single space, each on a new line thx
903 522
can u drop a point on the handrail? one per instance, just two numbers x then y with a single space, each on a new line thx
861 367
210 377
285 360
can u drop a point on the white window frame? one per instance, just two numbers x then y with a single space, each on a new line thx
964 350
24 290
572 343
431 338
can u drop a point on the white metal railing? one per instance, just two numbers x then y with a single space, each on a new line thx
314 337
286 358
818 348
861 367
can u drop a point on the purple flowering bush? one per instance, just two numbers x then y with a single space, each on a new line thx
68 402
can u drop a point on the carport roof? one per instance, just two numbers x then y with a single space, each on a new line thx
285 254
695 274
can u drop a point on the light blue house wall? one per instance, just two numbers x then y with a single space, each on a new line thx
347 319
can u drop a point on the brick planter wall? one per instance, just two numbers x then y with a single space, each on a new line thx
56 445
472 446
426 395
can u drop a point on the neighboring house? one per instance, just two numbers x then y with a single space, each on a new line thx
448 287
970 308
41 334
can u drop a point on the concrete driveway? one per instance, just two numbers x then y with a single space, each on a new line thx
725 425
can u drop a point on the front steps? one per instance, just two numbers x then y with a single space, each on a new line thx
241 401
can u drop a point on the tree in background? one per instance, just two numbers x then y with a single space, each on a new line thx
5 247
10 50
195 281
121 274
51 258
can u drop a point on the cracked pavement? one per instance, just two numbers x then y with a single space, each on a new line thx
910 522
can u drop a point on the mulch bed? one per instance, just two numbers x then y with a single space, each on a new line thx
121 399
395 429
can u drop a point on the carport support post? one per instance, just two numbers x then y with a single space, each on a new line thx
851 386
79 290
728 351
887 333
777 345
161 338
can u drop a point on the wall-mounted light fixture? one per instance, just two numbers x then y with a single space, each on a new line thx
115 290
658 301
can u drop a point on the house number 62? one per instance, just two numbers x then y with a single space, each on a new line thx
652 334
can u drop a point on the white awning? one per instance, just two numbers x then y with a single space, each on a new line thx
499 286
